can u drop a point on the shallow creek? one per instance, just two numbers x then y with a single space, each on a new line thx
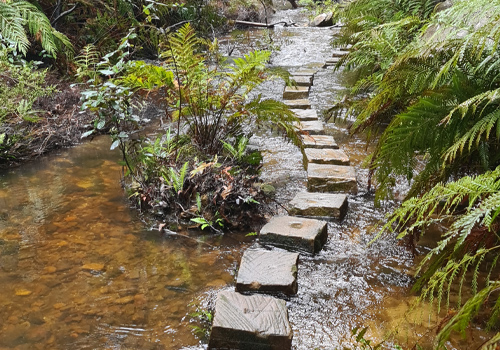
79 270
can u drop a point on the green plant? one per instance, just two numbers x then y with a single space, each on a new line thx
210 100
19 16
437 100
204 318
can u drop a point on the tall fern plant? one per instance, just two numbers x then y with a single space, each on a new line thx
19 19
440 100
210 96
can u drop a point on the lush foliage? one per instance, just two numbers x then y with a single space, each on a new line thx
429 77
18 18
21 84
199 169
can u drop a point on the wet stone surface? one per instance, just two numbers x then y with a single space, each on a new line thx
325 156
312 127
295 92
331 178
295 233
306 114
305 71
319 141
303 80
339 53
250 322
331 62
268 271
333 205
299 104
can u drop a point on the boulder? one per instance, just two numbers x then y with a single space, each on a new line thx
323 20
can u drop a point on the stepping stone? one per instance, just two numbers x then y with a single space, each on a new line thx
319 141
305 114
268 271
305 71
325 156
295 92
339 53
332 205
250 322
303 80
295 233
312 127
331 62
299 104
331 178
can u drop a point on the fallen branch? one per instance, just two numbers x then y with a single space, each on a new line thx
263 25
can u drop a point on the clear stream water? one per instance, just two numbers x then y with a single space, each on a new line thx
79 270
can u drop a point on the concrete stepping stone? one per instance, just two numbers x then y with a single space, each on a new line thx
325 156
305 114
305 71
305 76
331 178
331 62
250 322
339 53
312 127
332 205
303 80
298 104
268 271
319 141
295 233
295 92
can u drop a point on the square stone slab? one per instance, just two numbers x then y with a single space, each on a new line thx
295 233
331 178
319 141
339 53
295 92
250 322
325 156
268 271
305 114
331 62
312 127
305 71
332 205
303 80
298 104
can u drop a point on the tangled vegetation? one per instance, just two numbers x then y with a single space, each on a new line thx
198 170
428 75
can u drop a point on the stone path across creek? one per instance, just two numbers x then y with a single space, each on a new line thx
258 321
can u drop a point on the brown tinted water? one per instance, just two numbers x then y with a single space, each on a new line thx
79 270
